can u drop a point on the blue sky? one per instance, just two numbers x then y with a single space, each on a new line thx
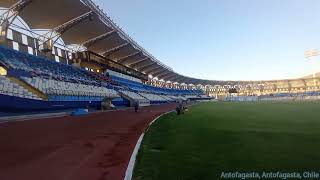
224 39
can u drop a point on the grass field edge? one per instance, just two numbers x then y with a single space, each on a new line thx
132 161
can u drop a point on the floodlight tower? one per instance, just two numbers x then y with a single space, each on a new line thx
311 55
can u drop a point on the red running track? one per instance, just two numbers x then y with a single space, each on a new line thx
93 147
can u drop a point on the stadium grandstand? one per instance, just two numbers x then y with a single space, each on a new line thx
77 58
62 56
48 61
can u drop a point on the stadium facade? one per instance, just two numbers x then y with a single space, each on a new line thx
71 54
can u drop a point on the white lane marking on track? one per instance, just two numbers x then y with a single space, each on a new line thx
130 167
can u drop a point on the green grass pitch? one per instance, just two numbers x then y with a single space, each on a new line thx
212 138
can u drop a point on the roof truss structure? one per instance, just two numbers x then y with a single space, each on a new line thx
153 69
138 61
81 22
92 41
114 50
126 58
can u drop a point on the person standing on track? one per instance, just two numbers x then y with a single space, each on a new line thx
180 108
136 106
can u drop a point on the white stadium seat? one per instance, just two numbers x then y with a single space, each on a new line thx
53 87
8 87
